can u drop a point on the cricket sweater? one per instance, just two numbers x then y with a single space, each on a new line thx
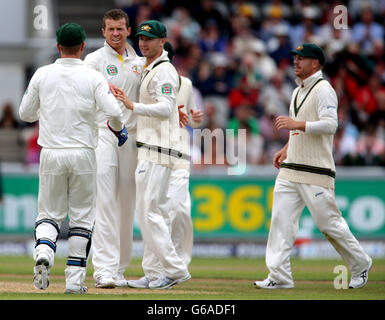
158 117
310 153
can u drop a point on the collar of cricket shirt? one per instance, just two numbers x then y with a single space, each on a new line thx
129 52
308 82
73 61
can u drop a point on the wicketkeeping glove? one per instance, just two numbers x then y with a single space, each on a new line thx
122 135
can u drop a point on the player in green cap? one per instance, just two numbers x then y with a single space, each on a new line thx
64 97
158 151
306 176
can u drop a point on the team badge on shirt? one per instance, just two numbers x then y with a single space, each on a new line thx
166 89
136 69
112 70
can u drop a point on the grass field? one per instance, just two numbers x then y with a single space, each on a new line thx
212 279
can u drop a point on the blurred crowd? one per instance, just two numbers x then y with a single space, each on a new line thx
237 55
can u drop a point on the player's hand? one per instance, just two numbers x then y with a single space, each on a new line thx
279 157
284 122
183 117
121 96
196 116
113 88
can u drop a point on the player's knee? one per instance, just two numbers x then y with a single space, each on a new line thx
46 233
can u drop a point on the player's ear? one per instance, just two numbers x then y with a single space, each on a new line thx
58 47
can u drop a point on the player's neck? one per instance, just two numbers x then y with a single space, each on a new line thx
71 56
308 75
150 60
121 50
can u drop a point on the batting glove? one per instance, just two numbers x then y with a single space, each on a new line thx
122 135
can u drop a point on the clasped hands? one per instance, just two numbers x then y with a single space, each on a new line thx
120 95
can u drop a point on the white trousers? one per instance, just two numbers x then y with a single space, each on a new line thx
153 212
115 204
288 203
67 185
182 233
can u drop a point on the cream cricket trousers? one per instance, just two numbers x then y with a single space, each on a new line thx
67 185
153 213
115 204
182 233
288 203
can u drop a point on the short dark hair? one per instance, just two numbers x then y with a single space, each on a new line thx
116 14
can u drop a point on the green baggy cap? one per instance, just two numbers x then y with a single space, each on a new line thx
152 29
70 35
310 50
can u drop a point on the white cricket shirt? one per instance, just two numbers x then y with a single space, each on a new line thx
65 96
124 72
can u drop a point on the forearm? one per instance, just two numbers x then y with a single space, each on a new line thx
324 126
161 109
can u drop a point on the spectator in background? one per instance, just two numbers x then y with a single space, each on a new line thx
332 39
278 93
30 136
277 7
207 11
366 95
8 119
345 140
242 36
376 60
344 147
210 153
370 148
221 76
212 38
245 71
190 61
264 65
11 144
247 10
245 118
243 94
184 30
307 30
378 117
273 16
367 30
279 46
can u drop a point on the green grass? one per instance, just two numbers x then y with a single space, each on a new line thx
212 279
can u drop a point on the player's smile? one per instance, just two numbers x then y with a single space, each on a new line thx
116 33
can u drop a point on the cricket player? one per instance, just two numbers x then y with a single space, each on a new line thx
64 97
306 175
157 140
180 202
115 201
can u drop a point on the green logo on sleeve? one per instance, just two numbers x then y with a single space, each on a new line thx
166 89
